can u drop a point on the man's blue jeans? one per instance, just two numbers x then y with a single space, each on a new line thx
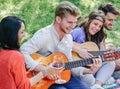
74 83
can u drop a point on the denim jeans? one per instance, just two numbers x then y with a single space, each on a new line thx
105 72
74 83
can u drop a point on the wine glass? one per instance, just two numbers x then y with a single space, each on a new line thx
59 63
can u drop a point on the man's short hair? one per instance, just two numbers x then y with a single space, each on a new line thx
66 7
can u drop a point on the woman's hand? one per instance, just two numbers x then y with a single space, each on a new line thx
83 53
97 62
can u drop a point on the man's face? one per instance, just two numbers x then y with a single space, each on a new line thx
67 23
110 20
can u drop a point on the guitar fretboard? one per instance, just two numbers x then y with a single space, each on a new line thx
96 53
78 63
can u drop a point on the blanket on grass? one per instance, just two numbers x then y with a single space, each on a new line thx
113 86
116 85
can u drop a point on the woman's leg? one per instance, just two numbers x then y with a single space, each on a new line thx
105 72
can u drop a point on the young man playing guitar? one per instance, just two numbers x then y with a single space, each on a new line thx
55 38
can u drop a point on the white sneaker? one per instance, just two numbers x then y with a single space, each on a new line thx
110 81
96 86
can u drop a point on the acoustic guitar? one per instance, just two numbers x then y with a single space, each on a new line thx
45 83
92 48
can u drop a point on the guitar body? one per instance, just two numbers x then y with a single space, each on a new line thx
89 46
46 83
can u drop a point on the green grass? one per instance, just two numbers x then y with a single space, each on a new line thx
40 13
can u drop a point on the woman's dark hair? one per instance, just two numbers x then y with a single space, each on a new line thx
9 27
99 36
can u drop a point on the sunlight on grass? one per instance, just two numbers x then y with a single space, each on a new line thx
7 10
89 3
10 8
20 5
3 12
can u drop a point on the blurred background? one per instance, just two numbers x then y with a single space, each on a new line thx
40 13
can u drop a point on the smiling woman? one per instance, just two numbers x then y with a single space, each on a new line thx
11 60
92 30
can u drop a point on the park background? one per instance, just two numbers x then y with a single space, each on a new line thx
40 13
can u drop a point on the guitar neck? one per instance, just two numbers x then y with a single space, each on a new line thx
78 63
96 53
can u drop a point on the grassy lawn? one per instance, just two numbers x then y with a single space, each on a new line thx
39 13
